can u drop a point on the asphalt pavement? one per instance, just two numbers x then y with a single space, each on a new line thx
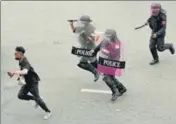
42 28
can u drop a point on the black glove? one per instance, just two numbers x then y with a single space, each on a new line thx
94 53
96 50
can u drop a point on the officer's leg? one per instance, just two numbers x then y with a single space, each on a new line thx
161 45
95 63
153 51
121 88
89 67
83 63
110 83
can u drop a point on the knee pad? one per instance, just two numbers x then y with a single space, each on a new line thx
160 48
107 78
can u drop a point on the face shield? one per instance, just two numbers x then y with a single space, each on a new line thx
110 35
111 55
84 22
107 38
155 9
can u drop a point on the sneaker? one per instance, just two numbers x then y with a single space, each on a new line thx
48 115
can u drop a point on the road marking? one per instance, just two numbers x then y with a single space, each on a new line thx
96 91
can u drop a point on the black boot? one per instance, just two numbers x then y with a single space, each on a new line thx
96 75
110 83
155 56
121 88
115 96
153 62
172 49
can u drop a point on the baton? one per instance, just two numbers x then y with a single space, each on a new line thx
141 26
72 20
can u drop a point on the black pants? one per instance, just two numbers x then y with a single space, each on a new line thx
158 44
91 67
114 84
34 90
109 80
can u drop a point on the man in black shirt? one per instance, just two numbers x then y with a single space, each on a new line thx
31 81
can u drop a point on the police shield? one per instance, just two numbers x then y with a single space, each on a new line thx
81 52
85 39
111 58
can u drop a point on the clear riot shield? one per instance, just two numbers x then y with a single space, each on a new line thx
81 52
83 47
111 58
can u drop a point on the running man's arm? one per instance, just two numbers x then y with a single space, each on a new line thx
21 72
25 66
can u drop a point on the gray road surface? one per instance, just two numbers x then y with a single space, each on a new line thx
42 29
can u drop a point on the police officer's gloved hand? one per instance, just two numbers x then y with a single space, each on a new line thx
94 53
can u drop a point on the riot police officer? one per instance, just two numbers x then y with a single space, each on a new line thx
108 50
85 30
157 22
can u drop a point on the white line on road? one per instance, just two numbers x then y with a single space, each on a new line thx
96 91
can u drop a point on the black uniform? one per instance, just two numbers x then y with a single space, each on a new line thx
158 26
31 85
